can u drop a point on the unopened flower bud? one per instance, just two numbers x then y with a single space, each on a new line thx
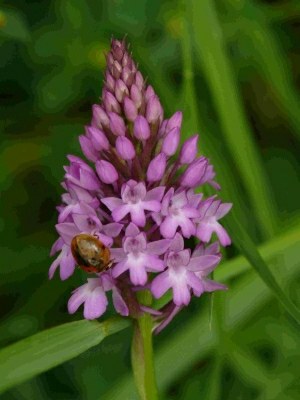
110 82
87 148
130 109
127 76
121 90
171 142
98 138
154 110
139 81
175 121
136 95
141 128
149 93
110 102
100 117
194 172
106 172
125 148
189 150
117 124
156 168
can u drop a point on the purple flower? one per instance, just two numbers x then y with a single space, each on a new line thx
208 284
182 273
139 200
93 296
210 212
177 211
81 174
134 201
137 256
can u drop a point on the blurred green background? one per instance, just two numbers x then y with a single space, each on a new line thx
233 67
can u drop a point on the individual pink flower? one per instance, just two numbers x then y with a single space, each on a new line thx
139 257
135 200
210 212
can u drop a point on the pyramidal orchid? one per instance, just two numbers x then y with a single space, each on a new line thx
140 193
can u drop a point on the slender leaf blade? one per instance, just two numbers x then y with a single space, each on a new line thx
246 246
47 349
211 50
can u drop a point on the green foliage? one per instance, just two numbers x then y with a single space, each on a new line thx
232 66
45 350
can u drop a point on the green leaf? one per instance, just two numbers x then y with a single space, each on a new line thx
38 353
211 50
12 25
246 246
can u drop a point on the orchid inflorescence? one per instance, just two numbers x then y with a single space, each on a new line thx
139 198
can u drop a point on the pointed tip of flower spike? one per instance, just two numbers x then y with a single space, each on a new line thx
130 109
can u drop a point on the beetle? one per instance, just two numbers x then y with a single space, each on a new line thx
90 253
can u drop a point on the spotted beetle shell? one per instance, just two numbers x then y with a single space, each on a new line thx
90 253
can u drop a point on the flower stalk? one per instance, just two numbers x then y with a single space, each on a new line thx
142 353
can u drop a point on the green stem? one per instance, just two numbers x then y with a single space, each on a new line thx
142 353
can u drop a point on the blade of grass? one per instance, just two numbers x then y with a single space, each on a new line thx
49 348
265 56
195 340
277 246
246 246
193 121
210 47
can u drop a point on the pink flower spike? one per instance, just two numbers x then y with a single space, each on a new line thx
140 195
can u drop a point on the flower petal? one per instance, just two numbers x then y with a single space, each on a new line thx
203 263
158 247
95 304
119 303
160 284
